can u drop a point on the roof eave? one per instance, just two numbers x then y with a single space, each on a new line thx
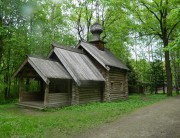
106 67
119 68
67 68
50 53
43 76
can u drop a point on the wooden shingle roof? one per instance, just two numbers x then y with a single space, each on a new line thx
47 69
78 65
105 58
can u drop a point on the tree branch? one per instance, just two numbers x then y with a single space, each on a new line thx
79 27
172 29
151 11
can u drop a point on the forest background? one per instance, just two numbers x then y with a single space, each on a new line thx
144 34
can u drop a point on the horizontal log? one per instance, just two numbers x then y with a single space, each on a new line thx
87 98
58 104
90 101
89 93
58 98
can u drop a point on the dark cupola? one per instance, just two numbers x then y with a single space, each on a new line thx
96 30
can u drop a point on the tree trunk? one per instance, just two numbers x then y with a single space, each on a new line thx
7 80
168 74
162 73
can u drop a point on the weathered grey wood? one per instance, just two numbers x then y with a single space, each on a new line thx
75 94
97 76
46 95
67 48
118 78
49 69
106 96
58 99
90 93
105 58
78 65
20 89
45 68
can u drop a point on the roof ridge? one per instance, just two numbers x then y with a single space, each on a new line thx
30 56
67 48
105 48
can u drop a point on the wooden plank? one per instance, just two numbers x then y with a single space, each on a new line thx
79 66
105 58
46 95
43 76
20 89
118 79
90 93
58 99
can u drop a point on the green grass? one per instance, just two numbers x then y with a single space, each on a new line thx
17 122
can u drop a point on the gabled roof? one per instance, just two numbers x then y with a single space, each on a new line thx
47 69
105 58
78 65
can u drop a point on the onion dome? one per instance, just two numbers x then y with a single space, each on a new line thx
96 29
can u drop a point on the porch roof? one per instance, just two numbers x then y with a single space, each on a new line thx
47 69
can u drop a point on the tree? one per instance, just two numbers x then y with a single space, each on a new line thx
157 78
175 54
25 29
153 18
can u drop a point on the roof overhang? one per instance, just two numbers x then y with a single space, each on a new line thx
105 66
39 66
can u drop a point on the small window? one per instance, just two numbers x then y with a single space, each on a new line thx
121 86
112 85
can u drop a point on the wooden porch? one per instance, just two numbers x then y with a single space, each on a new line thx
32 104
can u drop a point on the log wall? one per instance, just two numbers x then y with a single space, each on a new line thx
58 99
105 96
59 93
75 94
118 84
90 93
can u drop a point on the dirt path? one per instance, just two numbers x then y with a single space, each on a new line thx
161 120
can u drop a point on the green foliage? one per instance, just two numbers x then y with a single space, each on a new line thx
69 120
29 27
26 29
174 45
157 75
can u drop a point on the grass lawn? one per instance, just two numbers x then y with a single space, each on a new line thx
16 122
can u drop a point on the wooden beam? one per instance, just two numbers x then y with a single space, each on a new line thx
46 95
20 89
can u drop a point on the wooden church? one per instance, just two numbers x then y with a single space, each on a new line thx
70 76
